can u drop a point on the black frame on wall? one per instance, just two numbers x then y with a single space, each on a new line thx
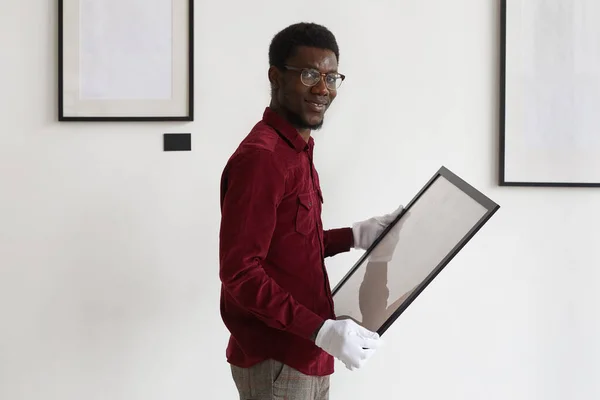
576 180
145 114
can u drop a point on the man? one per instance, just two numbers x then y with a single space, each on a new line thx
276 299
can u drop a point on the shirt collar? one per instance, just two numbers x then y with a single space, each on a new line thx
286 130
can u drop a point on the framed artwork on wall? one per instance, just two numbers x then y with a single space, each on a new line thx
549 92
408 255
125 60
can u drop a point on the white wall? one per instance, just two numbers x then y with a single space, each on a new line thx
108 246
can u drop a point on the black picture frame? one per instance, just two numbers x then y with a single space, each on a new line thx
146 110
490 209
567 171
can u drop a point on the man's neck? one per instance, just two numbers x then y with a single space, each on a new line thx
305 133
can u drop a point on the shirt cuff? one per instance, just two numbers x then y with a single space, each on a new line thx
306 323
340 240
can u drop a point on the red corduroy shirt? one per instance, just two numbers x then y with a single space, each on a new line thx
275 291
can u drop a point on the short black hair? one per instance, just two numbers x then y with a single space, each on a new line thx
284 44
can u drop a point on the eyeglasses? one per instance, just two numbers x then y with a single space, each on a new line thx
310 77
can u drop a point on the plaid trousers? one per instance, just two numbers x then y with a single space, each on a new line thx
273 380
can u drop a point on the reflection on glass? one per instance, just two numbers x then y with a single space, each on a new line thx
408 254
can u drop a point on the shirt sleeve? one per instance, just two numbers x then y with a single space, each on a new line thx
252 189
337 241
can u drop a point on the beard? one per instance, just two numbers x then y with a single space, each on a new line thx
298 123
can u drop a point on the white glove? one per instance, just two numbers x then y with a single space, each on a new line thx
384 251
365 232
348 342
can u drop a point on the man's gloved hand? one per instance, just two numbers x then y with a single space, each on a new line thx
365 232
384 251
348 342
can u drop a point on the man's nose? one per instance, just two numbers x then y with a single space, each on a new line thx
320 88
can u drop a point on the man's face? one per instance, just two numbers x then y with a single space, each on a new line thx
305 106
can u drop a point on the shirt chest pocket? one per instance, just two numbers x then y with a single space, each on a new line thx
305 215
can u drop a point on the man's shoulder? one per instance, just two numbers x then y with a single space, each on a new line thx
260 146
261 137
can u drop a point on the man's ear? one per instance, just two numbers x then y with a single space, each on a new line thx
274 77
